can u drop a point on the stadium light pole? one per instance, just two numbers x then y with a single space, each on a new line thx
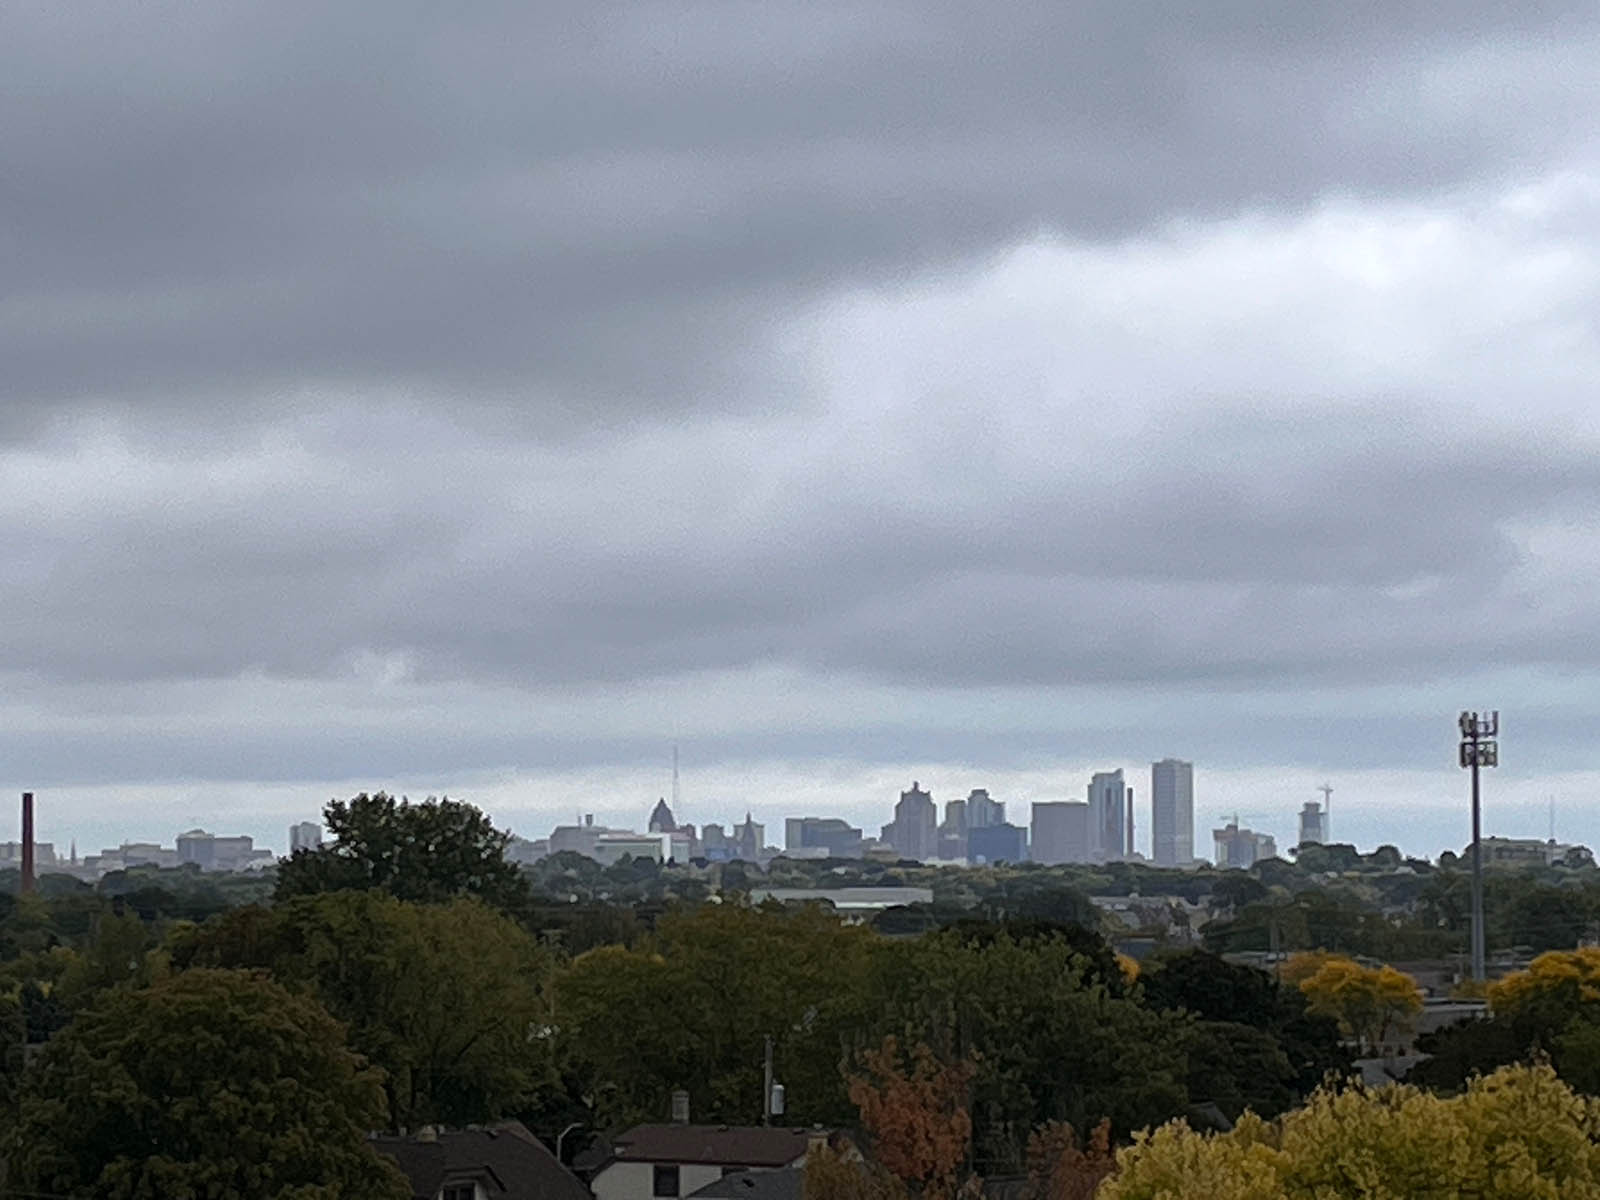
1478 749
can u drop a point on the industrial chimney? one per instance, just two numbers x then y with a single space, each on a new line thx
27 842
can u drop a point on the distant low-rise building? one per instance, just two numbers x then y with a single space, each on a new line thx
306 835
1524 852
210 852
526 851
1243 848
997 843
853 903
714 843
44 854
834 837
613 847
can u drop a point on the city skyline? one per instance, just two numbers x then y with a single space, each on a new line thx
1367 812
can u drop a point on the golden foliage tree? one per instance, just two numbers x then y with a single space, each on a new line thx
1519 1134
1556 986
1371 1004
914 1108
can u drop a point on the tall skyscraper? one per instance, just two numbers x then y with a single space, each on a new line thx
1108 816
914 832
1172 812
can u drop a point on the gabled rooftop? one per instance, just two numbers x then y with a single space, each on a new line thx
712 1145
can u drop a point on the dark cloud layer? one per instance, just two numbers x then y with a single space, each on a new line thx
558 208
565 354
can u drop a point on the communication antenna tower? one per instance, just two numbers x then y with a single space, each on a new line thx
1327 812
676 815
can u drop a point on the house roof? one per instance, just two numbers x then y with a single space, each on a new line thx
507 1160
784 1183
713 1145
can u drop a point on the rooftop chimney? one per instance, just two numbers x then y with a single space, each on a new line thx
680 1107
27 842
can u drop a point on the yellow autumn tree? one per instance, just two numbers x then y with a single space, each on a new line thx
1302 966
1519 1134
1556 987
1371 1004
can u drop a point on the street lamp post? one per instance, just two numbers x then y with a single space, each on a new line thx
1478 749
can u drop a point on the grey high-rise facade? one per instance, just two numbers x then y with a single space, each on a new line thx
1172 812
1061 832
914 832
983 811
1108 816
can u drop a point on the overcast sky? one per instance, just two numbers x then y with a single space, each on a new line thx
485 398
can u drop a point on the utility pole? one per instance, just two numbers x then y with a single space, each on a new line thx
1478 749
766 1085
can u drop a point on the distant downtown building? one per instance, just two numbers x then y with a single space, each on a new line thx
1060 832
914 832
1172 812
838 838
1242 848
1313 824
1108 817
306 835
1002 842
982 811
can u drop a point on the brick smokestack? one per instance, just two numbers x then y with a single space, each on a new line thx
27 842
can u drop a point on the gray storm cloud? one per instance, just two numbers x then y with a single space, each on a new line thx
354 358
575 210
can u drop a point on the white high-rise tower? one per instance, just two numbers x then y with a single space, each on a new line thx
1172 812
1108 816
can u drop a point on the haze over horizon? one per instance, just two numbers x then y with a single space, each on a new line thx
484 401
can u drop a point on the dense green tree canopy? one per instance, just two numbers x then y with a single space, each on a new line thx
1226 994
425 852
450 1000
214 1085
